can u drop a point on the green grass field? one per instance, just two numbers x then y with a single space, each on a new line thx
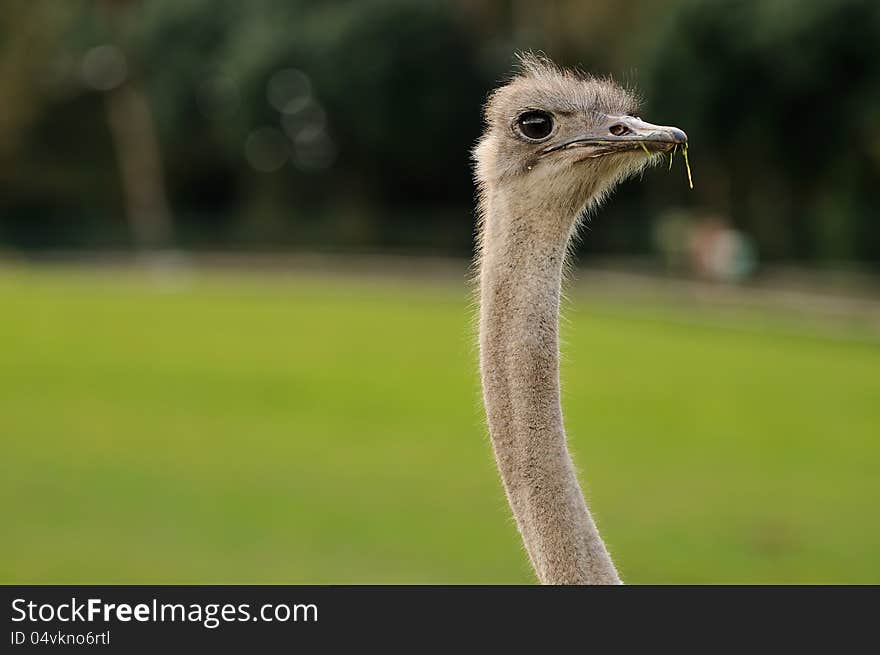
291 429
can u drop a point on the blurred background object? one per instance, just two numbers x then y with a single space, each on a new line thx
264 212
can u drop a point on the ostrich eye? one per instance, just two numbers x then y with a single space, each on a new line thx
535 125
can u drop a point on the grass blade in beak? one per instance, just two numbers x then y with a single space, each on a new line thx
684 151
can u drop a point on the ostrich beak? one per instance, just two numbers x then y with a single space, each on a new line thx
621 133
631 129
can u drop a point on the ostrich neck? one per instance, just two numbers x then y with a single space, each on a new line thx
523 249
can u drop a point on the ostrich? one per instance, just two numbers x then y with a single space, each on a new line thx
556 142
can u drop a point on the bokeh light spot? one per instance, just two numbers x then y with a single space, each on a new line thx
289 90
104 67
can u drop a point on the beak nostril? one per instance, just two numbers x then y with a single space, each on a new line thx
619 130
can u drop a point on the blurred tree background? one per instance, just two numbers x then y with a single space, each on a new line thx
346 126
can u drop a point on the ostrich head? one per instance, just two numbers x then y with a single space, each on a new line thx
561 138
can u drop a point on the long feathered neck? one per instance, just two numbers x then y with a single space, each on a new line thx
523 247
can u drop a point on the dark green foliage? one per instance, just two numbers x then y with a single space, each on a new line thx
783 101
394 79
